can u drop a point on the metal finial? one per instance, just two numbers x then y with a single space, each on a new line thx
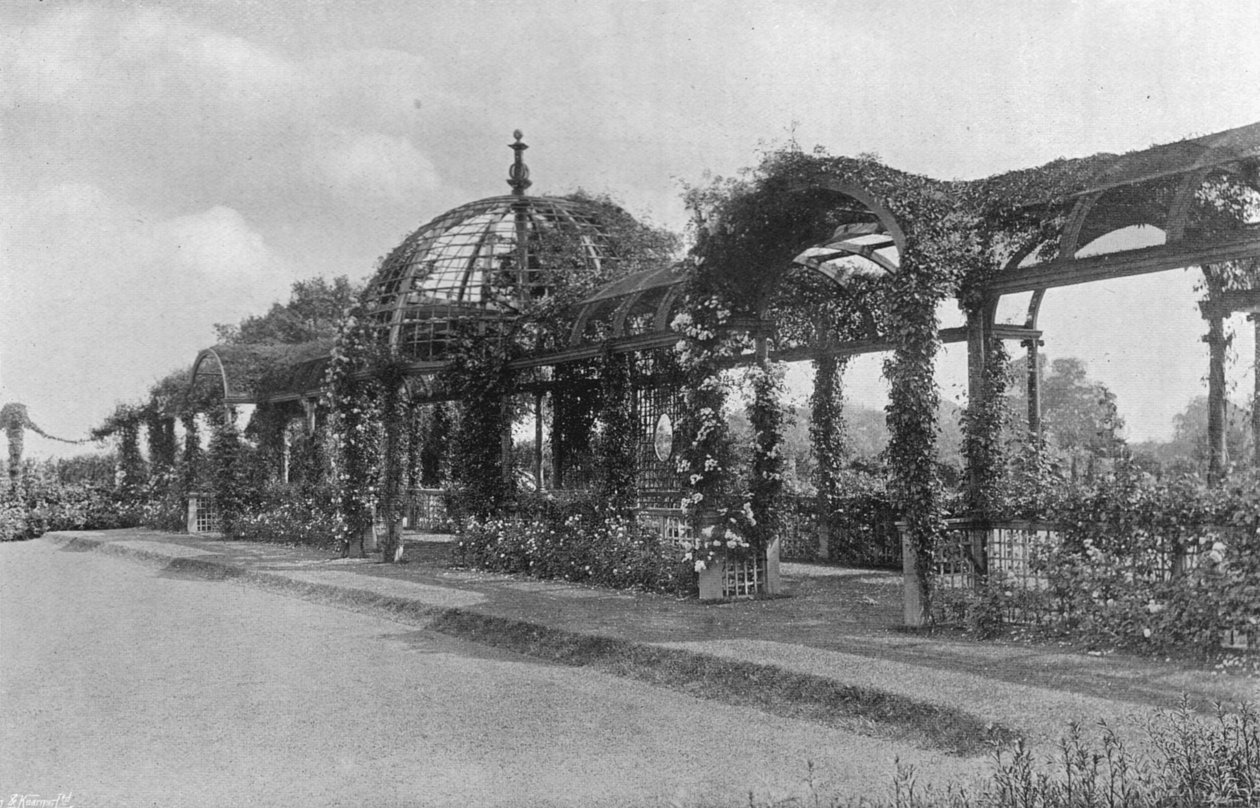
518 172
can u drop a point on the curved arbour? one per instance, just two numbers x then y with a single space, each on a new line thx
861 243
635 312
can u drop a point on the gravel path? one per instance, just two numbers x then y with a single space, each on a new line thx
124 685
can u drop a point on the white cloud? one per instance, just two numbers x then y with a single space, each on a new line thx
384 166
219 244
103 297
140 91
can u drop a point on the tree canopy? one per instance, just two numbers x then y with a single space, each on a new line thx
315 307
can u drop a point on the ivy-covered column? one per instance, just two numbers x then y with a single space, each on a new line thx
1218 344
912 408
130 461
1255 398
987 374
827 436
393 466
480 476
227 478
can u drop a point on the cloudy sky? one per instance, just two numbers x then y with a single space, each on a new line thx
168 165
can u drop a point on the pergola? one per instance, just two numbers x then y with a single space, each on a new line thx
894 246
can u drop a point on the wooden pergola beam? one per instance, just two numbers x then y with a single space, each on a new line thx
1055 274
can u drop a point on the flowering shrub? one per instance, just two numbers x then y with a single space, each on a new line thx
40 506
705 459
570 540
291 515
727 536
1146 565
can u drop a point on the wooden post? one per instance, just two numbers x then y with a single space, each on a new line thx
1217 344
505 441
558 448
538 440
1034 387
1255 398
978 337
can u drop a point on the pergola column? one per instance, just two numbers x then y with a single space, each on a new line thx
1034 387
979 337
538 440
1255 398
1217 345
505 440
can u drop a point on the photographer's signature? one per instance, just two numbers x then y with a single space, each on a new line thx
36 801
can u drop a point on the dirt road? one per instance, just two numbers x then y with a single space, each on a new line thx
123 684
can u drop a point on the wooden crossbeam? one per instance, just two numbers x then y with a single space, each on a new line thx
1054 274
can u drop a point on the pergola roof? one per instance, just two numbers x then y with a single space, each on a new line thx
239 371
1231 149
446 270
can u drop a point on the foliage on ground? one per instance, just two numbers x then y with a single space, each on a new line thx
1195 763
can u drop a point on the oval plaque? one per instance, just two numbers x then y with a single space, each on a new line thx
663 437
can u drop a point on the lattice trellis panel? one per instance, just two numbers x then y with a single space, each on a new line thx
744 579
657 410
205 514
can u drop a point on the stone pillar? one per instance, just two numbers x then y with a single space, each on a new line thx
774 580
913 613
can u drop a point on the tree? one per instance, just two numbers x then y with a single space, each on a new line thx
314 309
1079 415
1190 431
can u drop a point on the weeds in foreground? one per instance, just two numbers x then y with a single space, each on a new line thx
1196 763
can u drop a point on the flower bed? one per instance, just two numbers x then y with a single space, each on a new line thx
572 541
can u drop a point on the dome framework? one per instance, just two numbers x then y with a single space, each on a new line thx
482 264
